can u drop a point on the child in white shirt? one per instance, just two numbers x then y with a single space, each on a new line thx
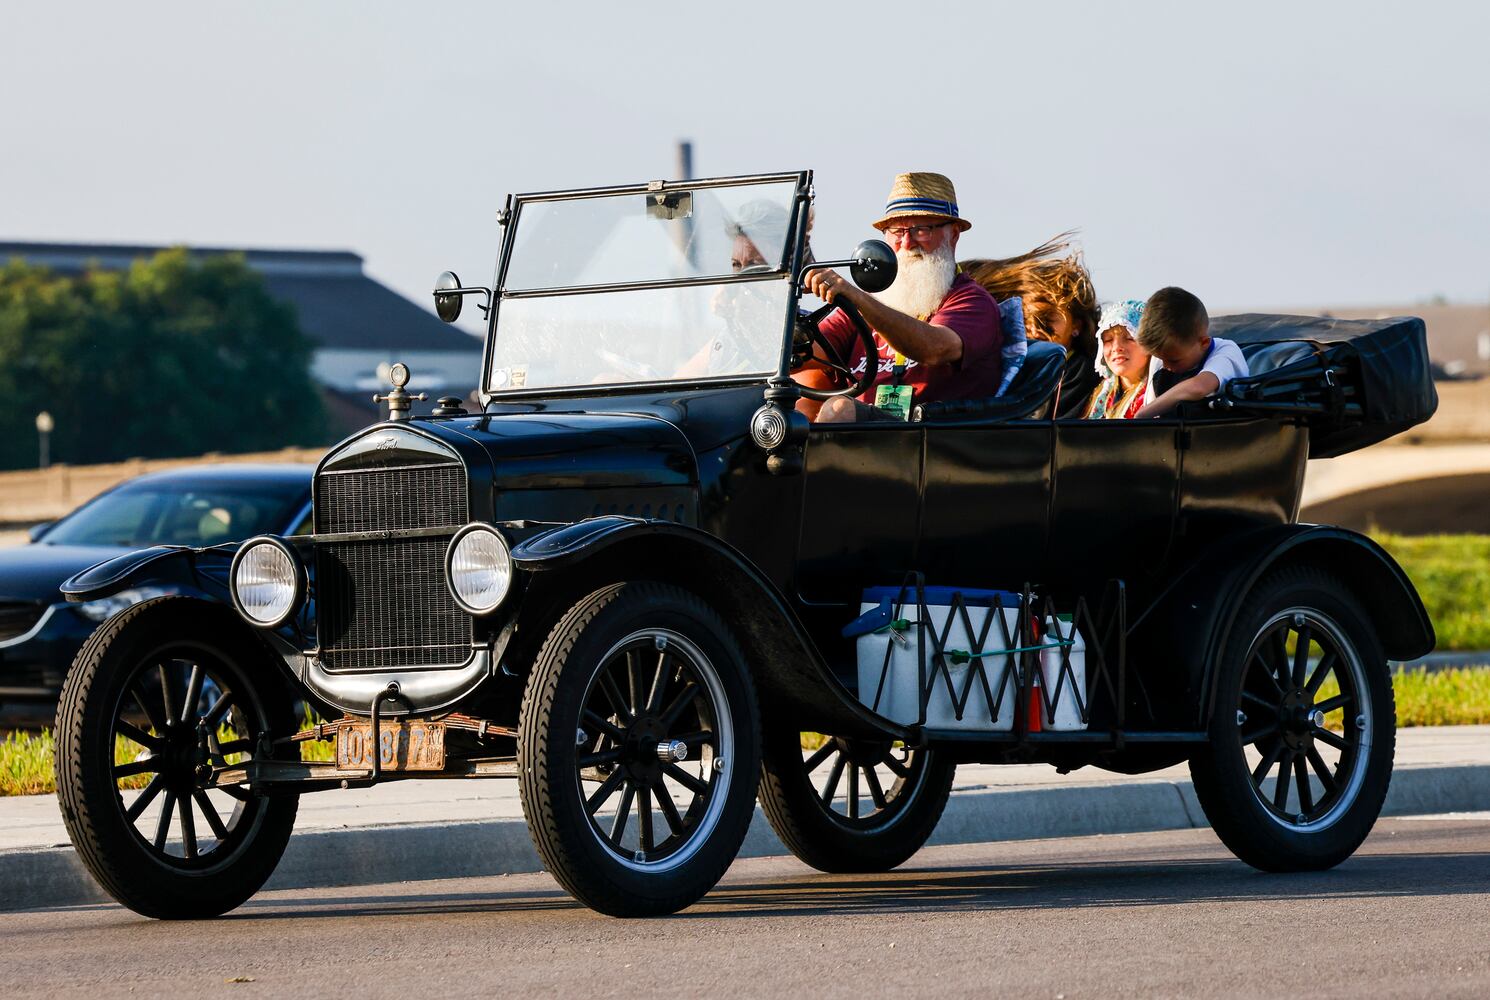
1176 331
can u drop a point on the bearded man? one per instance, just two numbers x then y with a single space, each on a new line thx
936 330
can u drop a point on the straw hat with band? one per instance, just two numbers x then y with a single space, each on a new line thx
922 194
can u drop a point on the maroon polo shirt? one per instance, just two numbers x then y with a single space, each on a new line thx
968 311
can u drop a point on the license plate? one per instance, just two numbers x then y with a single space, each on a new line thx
401 746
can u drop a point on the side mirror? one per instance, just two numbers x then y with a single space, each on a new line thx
37 530
874 267
447 299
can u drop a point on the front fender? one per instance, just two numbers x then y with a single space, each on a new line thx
1191 621
572 543
795 686
203 571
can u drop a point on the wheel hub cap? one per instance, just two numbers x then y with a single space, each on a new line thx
1297 716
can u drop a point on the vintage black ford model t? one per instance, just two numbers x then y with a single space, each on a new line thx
639 582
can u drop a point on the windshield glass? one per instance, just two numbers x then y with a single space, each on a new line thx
561 321
158 514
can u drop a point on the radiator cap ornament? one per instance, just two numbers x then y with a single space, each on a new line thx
398 400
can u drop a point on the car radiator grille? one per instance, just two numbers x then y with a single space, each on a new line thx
18 617
384 603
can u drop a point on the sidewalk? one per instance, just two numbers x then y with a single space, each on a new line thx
410 830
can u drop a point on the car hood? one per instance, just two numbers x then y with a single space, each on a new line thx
556 450
33 572
533 450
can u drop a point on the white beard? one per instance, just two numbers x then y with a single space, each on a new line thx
922 281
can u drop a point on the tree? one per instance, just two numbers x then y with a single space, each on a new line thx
172 357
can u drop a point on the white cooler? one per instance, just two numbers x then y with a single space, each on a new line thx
899 696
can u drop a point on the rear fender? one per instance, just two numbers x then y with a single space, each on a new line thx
175 567
1189 625
795 686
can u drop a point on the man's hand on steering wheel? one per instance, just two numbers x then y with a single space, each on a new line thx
810 344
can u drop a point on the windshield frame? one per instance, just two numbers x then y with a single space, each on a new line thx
510 218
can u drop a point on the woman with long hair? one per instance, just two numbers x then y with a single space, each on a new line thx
1060 305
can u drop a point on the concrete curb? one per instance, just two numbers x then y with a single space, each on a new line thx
41 878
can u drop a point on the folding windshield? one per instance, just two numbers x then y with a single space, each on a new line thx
682 282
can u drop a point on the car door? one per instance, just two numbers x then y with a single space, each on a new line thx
1113 513
986 504
860 510
1239 474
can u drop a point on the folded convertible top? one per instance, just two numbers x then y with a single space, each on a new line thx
1355 381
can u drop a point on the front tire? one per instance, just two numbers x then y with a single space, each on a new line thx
1301 741
638 750
157 698
853 805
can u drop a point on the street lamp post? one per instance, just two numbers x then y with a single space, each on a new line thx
44 426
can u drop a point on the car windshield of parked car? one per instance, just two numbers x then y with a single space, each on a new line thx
156 514
645 286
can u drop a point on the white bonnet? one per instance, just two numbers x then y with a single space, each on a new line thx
1125 313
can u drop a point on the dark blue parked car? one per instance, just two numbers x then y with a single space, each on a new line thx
40 633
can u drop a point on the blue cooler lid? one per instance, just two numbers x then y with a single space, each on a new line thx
886 598
942 595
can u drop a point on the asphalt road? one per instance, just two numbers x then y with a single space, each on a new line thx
1136 915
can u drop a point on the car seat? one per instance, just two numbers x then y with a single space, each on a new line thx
1028 397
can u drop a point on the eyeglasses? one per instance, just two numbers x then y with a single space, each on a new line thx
914 232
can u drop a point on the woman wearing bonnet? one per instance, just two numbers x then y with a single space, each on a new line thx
1121 363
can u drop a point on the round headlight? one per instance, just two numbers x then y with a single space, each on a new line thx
478 568
266 582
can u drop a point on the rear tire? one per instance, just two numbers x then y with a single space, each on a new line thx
892 800
640 702
1301 741
139 689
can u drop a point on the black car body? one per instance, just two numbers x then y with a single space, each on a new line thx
666 502
41 632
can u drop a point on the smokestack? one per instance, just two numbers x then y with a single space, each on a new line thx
684 232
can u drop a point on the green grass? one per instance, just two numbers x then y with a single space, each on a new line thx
1454 697
26 763
1452 574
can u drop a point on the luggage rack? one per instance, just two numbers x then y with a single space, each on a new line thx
1016 667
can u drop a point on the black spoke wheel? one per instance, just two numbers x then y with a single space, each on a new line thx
852 805
159 701
1300 753
638 750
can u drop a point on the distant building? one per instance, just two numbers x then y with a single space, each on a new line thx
356 323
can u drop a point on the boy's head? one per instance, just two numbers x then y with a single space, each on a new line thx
1175 329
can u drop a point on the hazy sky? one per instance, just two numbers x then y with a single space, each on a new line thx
1259 153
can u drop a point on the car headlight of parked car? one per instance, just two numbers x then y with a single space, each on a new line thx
105 608
267 581
478 568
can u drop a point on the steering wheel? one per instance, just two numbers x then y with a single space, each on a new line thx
809 335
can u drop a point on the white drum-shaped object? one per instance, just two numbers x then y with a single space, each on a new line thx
1069 691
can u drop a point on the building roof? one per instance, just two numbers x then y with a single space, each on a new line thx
338 304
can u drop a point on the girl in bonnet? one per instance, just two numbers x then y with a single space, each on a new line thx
1122 365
